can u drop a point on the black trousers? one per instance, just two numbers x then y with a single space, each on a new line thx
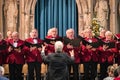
34 66
15 71
75 71
103 70
90 70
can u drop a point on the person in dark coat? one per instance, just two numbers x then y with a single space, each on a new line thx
57 62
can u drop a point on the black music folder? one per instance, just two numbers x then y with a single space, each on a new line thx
28 44
20 46
74 42
110 44
93 44
52 40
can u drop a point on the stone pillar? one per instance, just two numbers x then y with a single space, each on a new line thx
21 16
32 17
85 12
118 17
113 16
90 4
1 19
80 17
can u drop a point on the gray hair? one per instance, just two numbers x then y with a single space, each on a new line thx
58 46
69 30
108 33
2 70
15 33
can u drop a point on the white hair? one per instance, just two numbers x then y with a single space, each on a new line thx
9 32
2 70
108 33
58 46
49 32
69 30
14 33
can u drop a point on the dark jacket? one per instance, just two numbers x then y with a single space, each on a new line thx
57 65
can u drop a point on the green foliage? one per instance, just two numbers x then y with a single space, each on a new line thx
95 27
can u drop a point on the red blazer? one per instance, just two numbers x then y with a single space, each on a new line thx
50 46
77 53
49 49
88 55
34 55
3 51
77 50
15 56
118 53
118 78
107 55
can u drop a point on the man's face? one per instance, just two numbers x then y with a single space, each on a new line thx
70 34
15 37
34 34
88 34
54 33
108 37
9 34
102 33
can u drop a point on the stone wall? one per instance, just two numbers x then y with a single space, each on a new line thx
19 14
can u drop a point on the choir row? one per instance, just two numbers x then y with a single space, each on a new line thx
88 49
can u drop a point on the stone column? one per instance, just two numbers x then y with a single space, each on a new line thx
80 17
85 12
113 16
90 4
29 16
1 20
118 17
32 17
21 16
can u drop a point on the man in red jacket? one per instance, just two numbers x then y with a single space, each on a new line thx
118 48
106 54
50 39
3 51
33 57
15 57
89 56
69 45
